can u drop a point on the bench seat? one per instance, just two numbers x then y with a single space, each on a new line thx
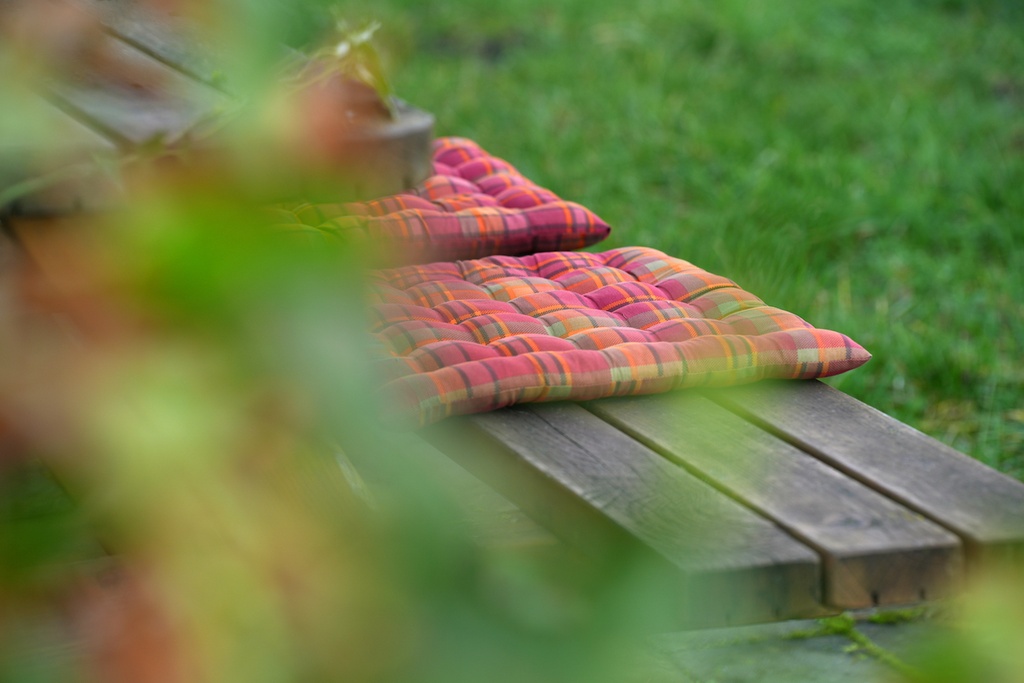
776 500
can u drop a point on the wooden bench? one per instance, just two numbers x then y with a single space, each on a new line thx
766 502
775 500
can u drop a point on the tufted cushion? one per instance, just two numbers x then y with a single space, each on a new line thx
473 205
471 336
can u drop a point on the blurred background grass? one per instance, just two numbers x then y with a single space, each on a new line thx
858 163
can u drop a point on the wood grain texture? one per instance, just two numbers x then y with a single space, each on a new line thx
402 464
982 506
875 551
137 98
162 34
602 491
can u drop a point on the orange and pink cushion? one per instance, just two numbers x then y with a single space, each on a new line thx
473 205
471 336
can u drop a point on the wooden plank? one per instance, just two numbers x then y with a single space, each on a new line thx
982 506
602 491
139 99
161 33
491 519
875 551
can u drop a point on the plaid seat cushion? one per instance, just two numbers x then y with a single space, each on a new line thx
475 335
473 205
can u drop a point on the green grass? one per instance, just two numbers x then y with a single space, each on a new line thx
858 163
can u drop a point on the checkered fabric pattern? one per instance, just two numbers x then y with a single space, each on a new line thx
476 335
473 205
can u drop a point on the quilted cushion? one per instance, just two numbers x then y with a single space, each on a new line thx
473 205
471 336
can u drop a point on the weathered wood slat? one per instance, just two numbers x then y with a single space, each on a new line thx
160 34
411 462
981 505
875 550
141 99
600 490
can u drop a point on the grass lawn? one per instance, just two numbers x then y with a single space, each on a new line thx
858 163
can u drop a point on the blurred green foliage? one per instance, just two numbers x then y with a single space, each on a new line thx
855 162
205 412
